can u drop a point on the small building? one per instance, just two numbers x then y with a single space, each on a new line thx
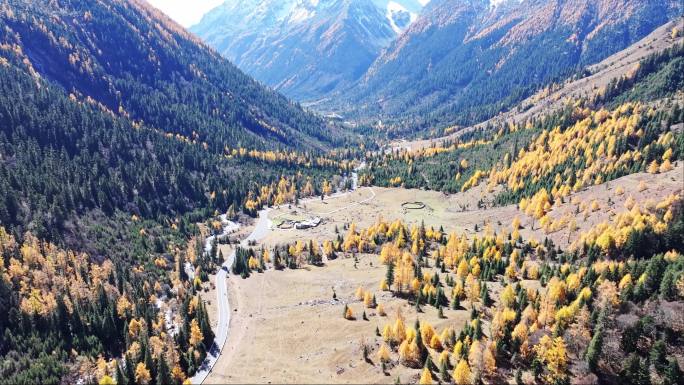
313 222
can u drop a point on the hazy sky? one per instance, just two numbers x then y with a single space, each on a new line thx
185 12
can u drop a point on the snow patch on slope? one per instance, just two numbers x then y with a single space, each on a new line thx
496 3
300 14
397 14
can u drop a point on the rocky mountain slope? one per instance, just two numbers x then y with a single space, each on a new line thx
305 48
464 61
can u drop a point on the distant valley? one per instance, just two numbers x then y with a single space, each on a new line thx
306 48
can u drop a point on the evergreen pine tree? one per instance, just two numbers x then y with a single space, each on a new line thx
205 327
428 364
673 375
163 372
635 371
477 333
456 303
657 355
444 372
149 363
596 344
130 369
389 275
119 375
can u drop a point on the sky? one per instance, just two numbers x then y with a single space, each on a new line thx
185 12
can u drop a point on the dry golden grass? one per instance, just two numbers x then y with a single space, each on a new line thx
286 328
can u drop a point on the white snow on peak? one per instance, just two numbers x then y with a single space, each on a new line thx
496 3
394 8
300 14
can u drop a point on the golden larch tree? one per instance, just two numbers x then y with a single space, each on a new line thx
196 336
425 377
142 374
462 374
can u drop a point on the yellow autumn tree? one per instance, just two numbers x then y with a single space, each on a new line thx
177 374
134 327
425 377
665 166
508 296
472 288
387 333
328 248
595 205
326 187
462 270
553 353
515 225
399 331
443 358
369 300
359 293
436 342
348 313
475 359
196 336
653 167
384 353
142 374
123 307
381 310
462 374
488 360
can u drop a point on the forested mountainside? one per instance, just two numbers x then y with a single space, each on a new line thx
61 159
462 62
97 219
119 133
136 121
137 63
650 90
305 48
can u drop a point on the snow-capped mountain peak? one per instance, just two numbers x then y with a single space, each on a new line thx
304 48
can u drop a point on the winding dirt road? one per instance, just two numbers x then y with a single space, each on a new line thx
260 231
223 326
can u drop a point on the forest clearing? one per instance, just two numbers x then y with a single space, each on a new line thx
320 344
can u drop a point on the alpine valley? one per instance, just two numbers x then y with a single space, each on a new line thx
342 191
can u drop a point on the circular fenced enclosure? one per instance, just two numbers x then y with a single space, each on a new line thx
413 205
